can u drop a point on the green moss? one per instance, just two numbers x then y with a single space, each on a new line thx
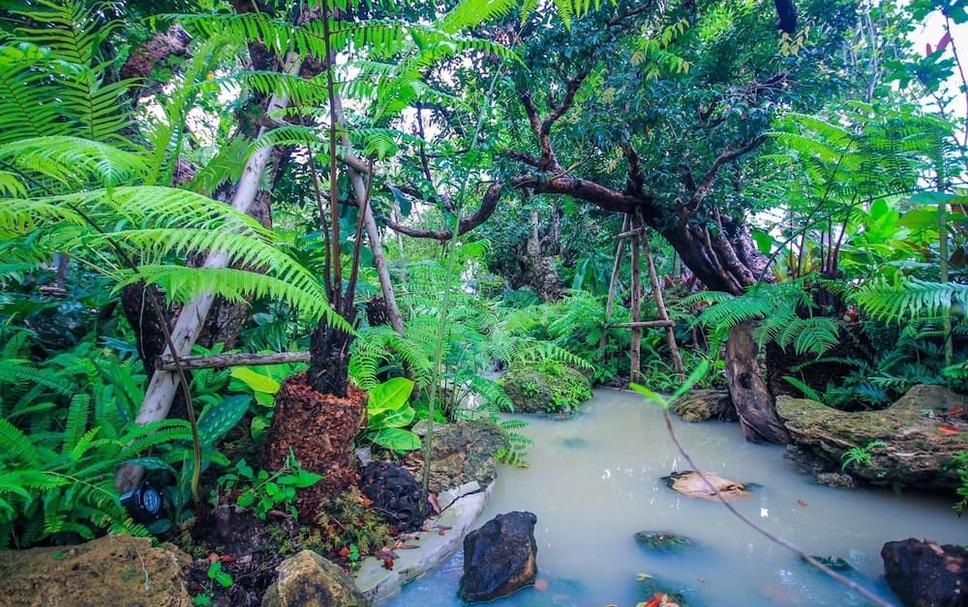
346 521
546 387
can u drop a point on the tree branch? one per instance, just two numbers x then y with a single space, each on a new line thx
466 224
726 156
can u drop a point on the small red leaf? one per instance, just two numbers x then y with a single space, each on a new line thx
945 41
344 552
388 564
946 429
955 411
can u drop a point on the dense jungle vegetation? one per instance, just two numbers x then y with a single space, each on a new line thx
232 230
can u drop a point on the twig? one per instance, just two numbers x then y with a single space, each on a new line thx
867 594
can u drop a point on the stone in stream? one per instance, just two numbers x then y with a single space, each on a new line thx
832 562
919 436
703 405
924 574
691 484
500 557
112 570
463 453
663 541
309 580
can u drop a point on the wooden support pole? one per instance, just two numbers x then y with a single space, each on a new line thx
635 372
646 324
663 313
223 361
626 235
613 283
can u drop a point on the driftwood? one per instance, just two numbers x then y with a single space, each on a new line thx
222 361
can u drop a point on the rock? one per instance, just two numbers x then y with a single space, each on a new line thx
462 453
691 484
924 574
112 570
396 495
557 389
821 471
574 442
309 580
837 480
832 562
662 541
920 438
703 405
659 592
500 557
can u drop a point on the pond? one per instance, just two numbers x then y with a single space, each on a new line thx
594 481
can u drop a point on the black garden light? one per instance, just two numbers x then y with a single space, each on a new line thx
143 503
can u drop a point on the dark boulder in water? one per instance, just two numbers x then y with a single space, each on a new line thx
925 574
500 557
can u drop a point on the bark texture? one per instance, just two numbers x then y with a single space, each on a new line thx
757 416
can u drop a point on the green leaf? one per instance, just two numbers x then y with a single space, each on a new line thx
396 439
301 479
764 242
151 463
398 418
257 382
216 420
389 395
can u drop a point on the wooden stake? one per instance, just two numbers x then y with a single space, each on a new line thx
660 304
613 283
635 373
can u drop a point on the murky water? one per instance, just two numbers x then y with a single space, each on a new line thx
594 482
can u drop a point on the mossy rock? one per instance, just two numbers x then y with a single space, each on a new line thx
663 541
309 580
916 438
832 562
703 405
550 388
112 570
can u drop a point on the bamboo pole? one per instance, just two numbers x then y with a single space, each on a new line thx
613 282
635 372
660 304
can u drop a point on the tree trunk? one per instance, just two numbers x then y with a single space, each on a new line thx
329 350
752 399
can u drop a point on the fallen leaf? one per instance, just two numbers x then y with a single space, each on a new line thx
801 503
541 585
955 411
432 498
386 553
344 552
388 564
227 558
946 429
